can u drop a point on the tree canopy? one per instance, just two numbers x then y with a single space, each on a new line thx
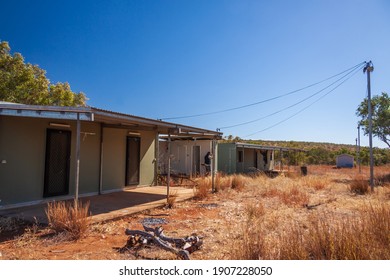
380 105
22 82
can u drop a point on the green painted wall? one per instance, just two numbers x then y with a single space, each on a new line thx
23 149
114 158
89 157
227 158
147 157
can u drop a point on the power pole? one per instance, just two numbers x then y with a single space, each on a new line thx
169 165
359 160
369 68
357 152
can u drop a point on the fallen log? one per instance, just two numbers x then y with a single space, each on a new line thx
182 247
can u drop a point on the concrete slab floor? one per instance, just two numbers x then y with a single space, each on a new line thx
109 206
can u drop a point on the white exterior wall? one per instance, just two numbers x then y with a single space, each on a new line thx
182 156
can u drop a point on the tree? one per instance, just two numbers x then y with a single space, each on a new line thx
380 105
22 82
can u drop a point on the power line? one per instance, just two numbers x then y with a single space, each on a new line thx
293 105
303 109
265 100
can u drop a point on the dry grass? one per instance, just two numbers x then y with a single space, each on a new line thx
238 182
295 217
203 188
294 197
254 211
171 200
69 218
223 182
316 182
325 237
382 180
290 196
359 185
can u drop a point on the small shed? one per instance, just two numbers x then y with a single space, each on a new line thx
344 161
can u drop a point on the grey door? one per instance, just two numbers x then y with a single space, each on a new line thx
132 160
57 163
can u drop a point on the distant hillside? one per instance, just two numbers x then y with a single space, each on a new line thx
323 153
305 145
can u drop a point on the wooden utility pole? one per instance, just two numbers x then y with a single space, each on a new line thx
369 68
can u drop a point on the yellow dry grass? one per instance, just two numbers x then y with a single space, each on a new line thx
68 218
286 217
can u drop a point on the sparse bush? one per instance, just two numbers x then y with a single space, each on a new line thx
290 244
377 220
291 196
292 174
69 218
171 200
251 243
271 192
316 182
238 182
254 211
362 236
383 180
294 197
337 238
359 185
223 182
203 188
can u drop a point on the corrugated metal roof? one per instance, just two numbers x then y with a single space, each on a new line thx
261 147
103 116
52 112
161 126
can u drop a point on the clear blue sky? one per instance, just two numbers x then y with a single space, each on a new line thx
161 59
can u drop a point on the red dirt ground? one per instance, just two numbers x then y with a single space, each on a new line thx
216 218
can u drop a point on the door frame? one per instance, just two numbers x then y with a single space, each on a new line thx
138 157
196 160
46 186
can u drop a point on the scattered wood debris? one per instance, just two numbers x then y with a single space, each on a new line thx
182 247
209 205
153 221
313 206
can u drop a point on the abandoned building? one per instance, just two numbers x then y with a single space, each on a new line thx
246 158
51 152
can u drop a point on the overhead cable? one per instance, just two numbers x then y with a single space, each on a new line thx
265 100
293 105
303 109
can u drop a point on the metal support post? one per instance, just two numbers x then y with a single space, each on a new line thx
369 68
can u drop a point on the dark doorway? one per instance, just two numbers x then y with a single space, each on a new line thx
132 160
196 160
57 164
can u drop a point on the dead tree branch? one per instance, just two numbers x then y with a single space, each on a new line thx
182 247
